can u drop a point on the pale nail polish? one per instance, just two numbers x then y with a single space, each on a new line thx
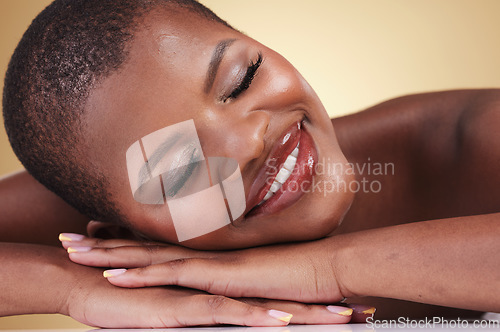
113 273
280 315
70 237
78 249
343 311
369 311
363 309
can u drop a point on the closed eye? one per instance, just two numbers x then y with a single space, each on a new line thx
247 79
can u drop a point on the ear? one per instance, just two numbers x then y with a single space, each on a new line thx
106 230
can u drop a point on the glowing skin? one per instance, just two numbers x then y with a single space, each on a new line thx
164 82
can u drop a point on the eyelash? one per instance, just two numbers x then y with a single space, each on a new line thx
247 80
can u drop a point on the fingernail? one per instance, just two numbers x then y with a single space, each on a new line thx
113 273
70 237
78 249
363 309
343 311
369 311
280 315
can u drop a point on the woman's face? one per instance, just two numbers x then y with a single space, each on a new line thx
247 103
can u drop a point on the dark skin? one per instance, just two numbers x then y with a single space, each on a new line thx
418 151
28 243
86 295
440 137
448 139
45 218
169 87
433 145
346 127
350 129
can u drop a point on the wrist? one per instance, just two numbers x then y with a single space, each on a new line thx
81 281
342 258
37 279
56 278
69 280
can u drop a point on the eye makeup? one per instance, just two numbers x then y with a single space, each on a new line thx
244 83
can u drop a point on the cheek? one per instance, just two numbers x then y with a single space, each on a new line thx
154 223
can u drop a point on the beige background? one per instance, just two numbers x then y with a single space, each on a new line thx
353 52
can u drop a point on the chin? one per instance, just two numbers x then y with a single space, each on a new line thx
325 210
310 219
323 213
334 210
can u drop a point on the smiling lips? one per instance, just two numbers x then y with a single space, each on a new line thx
287 173
283 174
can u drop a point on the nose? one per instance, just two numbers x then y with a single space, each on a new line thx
245 140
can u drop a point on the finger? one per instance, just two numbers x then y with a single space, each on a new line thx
78 240
130 256
211 275
182 272
216 276
216 309
162 308
307 313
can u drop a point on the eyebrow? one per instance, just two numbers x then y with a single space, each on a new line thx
217 57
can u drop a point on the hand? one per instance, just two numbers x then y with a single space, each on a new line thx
41 279
242 273
173 306
94 301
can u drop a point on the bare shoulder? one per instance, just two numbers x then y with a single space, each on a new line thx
446 150
479 126
478 146
470 184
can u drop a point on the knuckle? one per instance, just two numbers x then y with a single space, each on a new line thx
303 307
250 310
99 242
151 252
140 271
152 249
178 263
108 250
216 303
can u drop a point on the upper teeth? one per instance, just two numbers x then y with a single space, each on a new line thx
283 174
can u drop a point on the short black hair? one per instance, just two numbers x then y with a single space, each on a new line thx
70 47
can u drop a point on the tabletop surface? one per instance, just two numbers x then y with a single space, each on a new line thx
469 326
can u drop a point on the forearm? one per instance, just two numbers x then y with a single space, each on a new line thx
33 214
450 262
35 279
